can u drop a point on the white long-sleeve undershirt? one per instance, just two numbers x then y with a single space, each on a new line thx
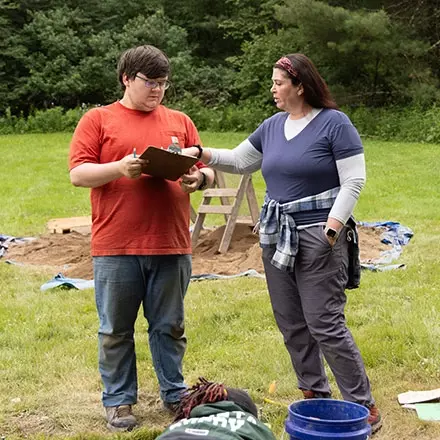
245 159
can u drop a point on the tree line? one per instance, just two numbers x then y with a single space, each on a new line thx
63 53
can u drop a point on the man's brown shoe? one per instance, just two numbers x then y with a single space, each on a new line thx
171 407
120 418
374 419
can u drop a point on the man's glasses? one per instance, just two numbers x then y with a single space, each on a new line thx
151 84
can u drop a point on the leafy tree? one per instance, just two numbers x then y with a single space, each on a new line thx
366 57
251 18
54 49
202 20
66 63
6 75
420 18
64 52
255 65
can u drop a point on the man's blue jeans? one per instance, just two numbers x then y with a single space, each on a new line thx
122 284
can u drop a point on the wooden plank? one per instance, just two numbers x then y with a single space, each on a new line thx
230 224
245 221
221 183
83 230
228 209
65 225
215 209
220 192
192 213
220 179
198 224
252 202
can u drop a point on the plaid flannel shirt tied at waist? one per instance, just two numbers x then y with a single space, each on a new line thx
278 228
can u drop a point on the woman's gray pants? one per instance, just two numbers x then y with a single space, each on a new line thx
308 305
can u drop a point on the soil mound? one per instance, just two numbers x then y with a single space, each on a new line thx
70 253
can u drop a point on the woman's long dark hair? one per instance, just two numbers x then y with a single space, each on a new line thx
304 72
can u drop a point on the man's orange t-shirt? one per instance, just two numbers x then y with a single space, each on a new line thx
145 216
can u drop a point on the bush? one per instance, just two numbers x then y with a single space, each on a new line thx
8 122
46 121
233 117
42 121
410 124
203 117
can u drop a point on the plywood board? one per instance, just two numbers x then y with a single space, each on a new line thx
418 396
69 224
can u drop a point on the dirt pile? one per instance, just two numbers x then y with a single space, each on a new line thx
70 253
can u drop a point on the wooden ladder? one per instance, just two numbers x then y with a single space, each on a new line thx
228 209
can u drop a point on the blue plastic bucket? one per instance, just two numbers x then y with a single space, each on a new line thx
325 419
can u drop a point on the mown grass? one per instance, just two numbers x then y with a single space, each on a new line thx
49 384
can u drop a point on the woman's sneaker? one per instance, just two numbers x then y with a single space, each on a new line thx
120 418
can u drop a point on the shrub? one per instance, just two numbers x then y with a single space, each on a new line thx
42 121
410 124
232 117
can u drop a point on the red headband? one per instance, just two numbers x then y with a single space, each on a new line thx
286 65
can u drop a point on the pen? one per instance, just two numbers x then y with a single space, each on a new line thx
134 152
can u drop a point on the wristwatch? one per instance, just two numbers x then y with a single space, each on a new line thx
199 155
332 233
204 184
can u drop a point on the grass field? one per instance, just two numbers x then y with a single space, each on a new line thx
49 383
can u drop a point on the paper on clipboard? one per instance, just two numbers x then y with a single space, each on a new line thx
165 164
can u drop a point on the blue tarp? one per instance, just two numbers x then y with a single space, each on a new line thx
71 283
394 234
213 276
76 283
6 239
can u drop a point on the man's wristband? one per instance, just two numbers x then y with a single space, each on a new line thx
204 184
199 155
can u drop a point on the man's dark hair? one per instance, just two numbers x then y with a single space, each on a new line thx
204 392
147 59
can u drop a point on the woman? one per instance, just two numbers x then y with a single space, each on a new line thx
312 161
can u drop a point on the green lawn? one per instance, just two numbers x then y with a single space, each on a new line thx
49 383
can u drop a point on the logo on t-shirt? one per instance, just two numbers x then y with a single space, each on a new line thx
201 432
233 421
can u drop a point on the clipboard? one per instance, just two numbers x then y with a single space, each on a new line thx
165 164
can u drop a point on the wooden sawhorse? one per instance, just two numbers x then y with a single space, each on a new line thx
228 209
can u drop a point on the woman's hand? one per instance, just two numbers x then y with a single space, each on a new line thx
203 154
191 181
332 226
191 151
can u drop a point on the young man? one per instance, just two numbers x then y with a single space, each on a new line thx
211 411
141 243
